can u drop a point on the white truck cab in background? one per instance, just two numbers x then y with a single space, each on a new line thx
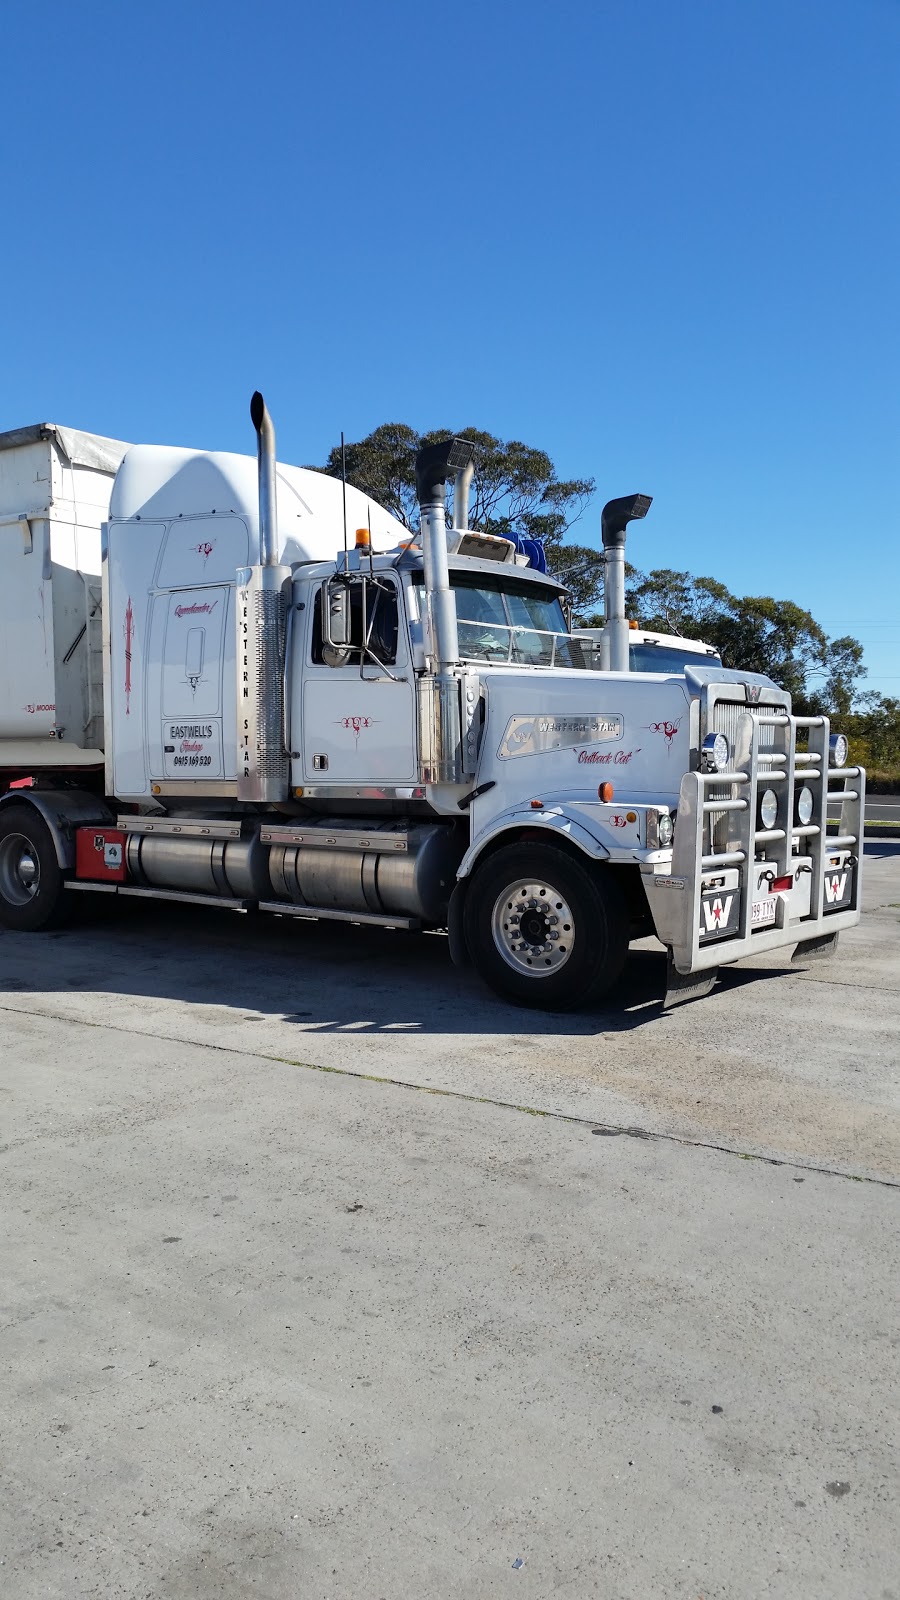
651 652
253 688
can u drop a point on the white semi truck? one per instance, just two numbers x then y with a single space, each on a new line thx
211 694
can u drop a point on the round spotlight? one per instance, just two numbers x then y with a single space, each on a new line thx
666 830
768 808
838 750
715 752
805 804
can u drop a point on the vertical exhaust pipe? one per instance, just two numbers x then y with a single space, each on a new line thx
265 458
614 519
262 600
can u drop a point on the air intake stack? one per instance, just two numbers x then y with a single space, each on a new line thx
439 702
262 604
614 520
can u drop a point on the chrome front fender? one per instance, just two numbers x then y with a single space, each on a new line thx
557 823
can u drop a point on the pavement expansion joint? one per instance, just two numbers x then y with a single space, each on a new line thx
610 1130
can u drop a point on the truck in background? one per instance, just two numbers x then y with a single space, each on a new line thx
220 697
652 652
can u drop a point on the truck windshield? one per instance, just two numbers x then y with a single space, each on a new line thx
668 658
501 620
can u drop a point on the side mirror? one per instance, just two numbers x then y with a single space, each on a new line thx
336 623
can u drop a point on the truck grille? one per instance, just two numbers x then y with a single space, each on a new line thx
722 716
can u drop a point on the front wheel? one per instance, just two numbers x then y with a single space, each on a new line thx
543 929
32 895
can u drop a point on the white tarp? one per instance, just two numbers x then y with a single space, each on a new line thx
89 449
80 449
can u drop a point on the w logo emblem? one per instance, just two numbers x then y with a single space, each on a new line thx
835 885
717 912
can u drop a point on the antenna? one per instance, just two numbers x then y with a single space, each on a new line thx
344 495
369 520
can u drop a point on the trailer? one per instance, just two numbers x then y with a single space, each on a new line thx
245 684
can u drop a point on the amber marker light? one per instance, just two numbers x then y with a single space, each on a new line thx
537 805
362 539
606 792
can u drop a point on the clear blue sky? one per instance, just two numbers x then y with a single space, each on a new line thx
660 241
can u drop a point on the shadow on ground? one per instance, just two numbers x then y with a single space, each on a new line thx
324 976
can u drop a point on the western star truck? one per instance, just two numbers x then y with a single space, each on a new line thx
211 693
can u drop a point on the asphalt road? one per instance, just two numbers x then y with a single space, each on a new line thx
880 808
327 1275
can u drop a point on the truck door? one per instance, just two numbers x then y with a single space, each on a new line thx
357 725
195 655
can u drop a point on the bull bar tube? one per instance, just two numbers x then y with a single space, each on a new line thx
675 898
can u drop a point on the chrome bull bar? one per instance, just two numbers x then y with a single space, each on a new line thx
718 830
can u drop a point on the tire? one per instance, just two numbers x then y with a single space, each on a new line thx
544 894
32 895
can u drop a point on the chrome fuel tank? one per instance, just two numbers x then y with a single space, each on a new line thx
383 868
224 867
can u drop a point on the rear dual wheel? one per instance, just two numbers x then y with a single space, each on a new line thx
545 930
32 895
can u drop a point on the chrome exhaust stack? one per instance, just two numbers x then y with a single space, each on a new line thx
462 488
439 703
614 520
263 593
268 500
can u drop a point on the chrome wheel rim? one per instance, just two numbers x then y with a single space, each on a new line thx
20 870
533 928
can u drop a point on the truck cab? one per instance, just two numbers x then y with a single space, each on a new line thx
310 712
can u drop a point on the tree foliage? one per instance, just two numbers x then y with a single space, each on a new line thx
516 489
754 633
874 730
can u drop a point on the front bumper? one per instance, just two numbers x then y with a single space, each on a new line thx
715 904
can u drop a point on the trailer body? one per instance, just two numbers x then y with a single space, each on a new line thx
55 487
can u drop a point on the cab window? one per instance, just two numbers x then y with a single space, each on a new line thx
381 621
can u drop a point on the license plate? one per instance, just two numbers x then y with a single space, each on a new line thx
763 911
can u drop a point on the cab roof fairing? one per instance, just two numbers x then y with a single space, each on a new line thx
161 483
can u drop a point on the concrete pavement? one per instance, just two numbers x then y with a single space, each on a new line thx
280 1331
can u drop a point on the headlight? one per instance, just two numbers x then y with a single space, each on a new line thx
768 808
805 804
660 828
838 750
715 753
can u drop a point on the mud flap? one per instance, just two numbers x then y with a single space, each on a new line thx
686 986
816 949
459 948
